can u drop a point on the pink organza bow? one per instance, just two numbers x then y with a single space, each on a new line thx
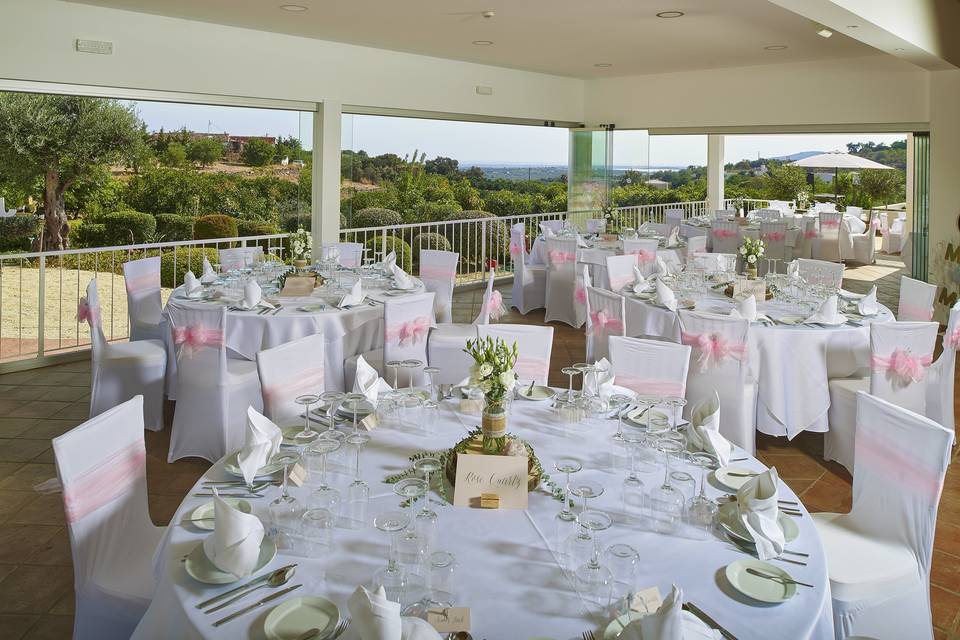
951 339
494 307
516 247
437 273
411 331
830 224
713 348
196 337
601 322
558 257
724 233
580 294
875 223
116 477
86 313
644 255
901 363
774 236
810 234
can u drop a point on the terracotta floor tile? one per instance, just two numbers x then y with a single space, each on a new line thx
28 475
66 394
945 571
75 411
21 449
42 509
49 428
33 589
15 626
63 378
19 541
66 605
36 409
794 465
947 538
53 552
13 427
11 501
826 496
23 392
944 606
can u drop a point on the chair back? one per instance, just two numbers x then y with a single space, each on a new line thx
725 235
596 225
650 366
596 262
829 242
534 348
620 271
900 357
351 253
916 300
239 257
774 236
940 381
671 258
88 310
606 318
141 278
712 263
199 345
492 304
672 218
821 271
438 270
289 370
555 226
696 244
772 215
644 251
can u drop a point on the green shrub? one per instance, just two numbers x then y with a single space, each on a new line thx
173 228
172 275
467 238
376 217
16 232
89 234
247 228
437 211
404 253
429 240
127 227
215 226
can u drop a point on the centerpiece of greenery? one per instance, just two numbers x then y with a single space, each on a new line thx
751 250
301 246
492 373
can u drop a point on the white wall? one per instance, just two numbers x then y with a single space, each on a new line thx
152 52
856 91
944 182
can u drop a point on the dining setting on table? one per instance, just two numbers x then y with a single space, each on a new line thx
380 472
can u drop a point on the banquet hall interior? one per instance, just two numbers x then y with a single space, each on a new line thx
288 381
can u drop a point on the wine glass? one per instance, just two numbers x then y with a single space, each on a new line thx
395 365
411 366
284 508
619 403
567 466
624 563
426 519
331 400
570 372
676 404
356 404
358 493
307 401
392 577
594 579
666 501
633 488
431 375
702 509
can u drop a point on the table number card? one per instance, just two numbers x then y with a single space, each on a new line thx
370 423
505 476
449 619
298 286
646 600
297 475
744 287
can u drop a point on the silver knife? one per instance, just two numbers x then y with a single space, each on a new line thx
710 622
207 603
258 603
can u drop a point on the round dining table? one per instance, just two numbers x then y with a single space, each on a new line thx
509 562
790 363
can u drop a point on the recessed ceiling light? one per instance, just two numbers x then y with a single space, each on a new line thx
899 49
853 26
822 31
483 43
293 7
775 47
603 65
670 14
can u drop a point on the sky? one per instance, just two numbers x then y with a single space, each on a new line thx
483 143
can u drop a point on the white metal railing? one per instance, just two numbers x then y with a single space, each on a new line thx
747 204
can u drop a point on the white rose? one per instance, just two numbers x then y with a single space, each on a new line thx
507 378
485 369
751 259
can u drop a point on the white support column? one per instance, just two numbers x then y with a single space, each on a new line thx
325 217
715 174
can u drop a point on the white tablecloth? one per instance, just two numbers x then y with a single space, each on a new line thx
791 364
538 253
508 571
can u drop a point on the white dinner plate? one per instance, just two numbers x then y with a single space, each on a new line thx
292 618
539 392
198 515
732 482
616 626
658 419
729 519
762 589
200 568
230 466
790 319
312 308
399 292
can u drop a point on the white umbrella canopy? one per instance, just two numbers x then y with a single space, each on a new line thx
838 160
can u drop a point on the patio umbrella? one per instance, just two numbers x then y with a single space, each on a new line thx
837 160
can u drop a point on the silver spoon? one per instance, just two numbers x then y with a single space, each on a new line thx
278 578
779 579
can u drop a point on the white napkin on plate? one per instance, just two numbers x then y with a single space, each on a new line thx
389 260
260 443
355 296
704 430
234 545
601 382
253 296
827 313
793 269
661 268
757 501
639 280
867 305
368 381
746 308
673 240
401 280
666 297
547 231
581 242
376 618
209 275
191 286
669 622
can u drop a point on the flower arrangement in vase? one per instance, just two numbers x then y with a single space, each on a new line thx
492 372
301 246
751 251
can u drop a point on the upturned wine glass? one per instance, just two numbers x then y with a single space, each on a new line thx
567 466
702 509
666 501
593 578
392 577
284 509
358 492
307 434
426 519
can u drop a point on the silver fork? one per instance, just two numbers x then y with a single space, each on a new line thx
340 628
588 635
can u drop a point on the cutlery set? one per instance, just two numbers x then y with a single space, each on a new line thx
273 579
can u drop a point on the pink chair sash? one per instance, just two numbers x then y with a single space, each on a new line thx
652 386
901 363
713 348
830 224
875 223
114 477
620 281
86 313
300 383
437 273
644 256
409 332
580 294
531 368
951 339
560 257
602 322
775 236
494 306
810 234
724 233
193 338
144 282
911 312
517 246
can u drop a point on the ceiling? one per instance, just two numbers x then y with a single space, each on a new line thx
563 37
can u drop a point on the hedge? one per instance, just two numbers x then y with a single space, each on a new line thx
174 228
16 232
257 228
467 237
429 240
215 226
186 259
128 227
376 217
404 253
88 234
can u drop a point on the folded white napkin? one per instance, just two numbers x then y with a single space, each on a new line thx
704 431
253 296
355 296
757 501
209 275
401 280
547 231
600 382
745 308
867 305
388 261
793 269
666 297
673 240
669 622
581 242
260 443
661 269
191 286
646 227
639 280
368 381
376 618
234 545
827 313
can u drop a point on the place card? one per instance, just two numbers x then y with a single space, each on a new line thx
298 286
743 287
297 475
505 476
370 423
646 600
449 619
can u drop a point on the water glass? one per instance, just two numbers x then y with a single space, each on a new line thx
624 564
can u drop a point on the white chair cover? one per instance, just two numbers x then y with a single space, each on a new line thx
651 322
879 555
620 272
351 253
725 236
900 355
719 363
239 258
941 374
122 370
447 340
287 371
561 281
605 318
529 281
712 263
596 262
894 233
723 214
102 466
650 366
596 225
774 236
770 215
827 245
644 252
696 244
830 273
863 246
807 233
213 392
583 281
672 218
534 348
672 258
438 270
141 278
555 226
406 327
916 300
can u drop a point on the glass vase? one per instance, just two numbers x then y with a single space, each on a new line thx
493 424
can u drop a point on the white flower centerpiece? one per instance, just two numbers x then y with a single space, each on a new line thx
492 372
751 251
301 247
